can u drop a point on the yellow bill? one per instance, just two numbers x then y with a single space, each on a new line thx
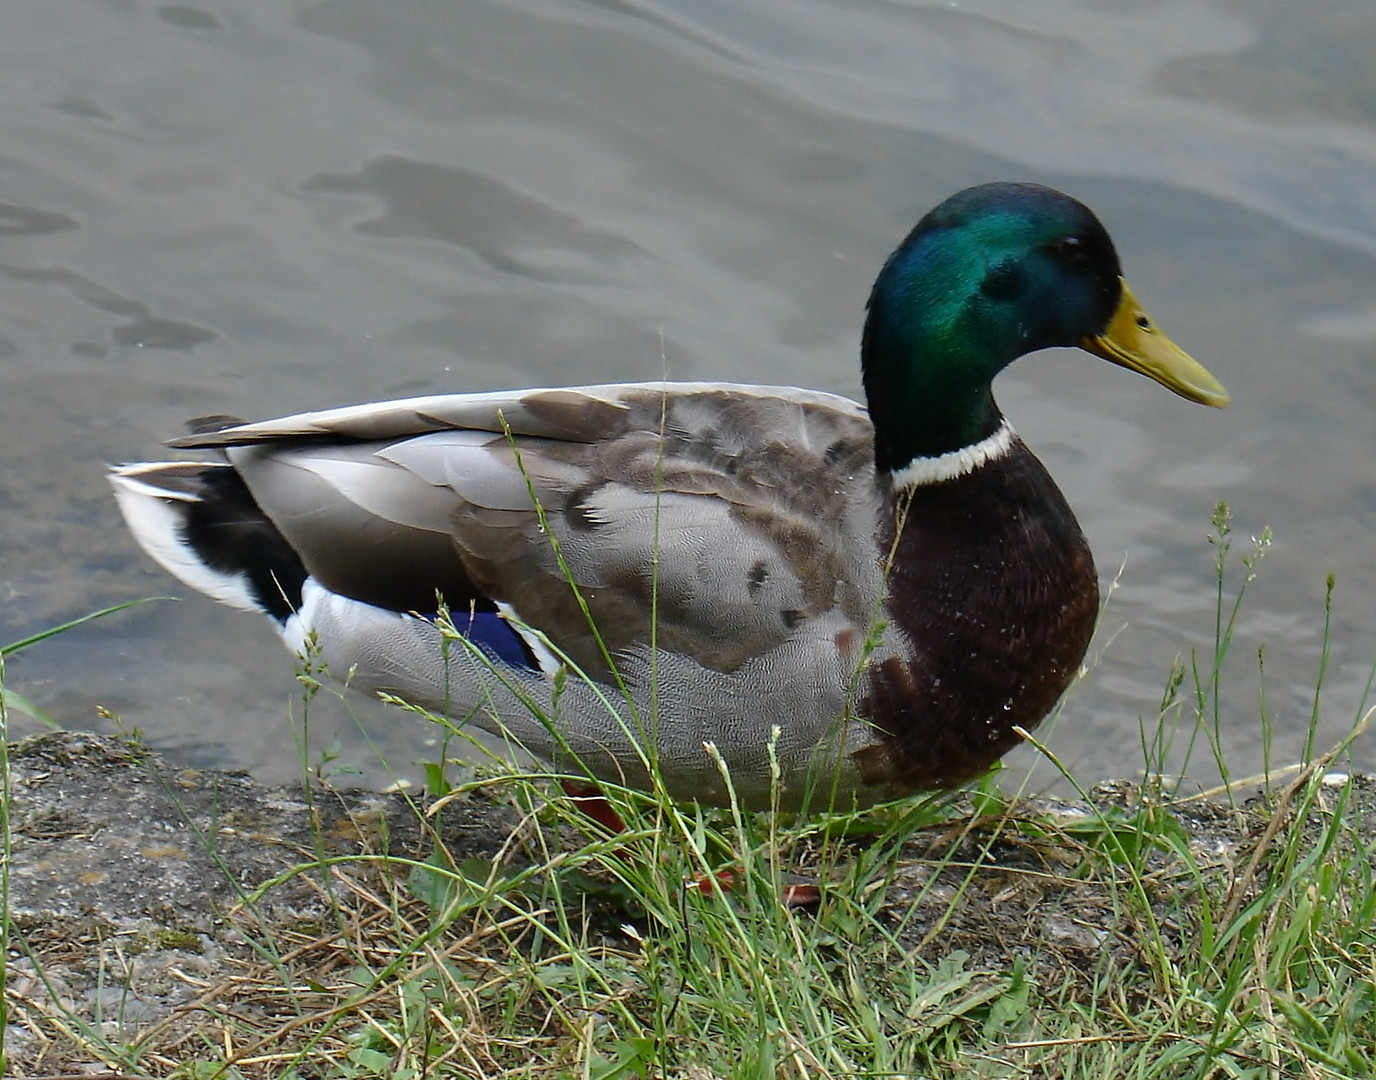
1131 340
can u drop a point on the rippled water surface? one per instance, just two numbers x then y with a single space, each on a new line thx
258 207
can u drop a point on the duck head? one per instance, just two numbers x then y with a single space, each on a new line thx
993 273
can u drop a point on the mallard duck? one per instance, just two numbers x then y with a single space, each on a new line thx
848 605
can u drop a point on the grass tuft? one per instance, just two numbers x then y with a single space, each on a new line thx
1130 932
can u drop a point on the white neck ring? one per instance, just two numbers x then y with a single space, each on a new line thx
957 463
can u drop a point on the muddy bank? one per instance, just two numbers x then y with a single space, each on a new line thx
123 868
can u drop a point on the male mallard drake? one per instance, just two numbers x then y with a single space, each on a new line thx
872 600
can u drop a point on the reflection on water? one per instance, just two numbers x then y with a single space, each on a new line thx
254 209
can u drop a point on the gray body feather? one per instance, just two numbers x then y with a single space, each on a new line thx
723 598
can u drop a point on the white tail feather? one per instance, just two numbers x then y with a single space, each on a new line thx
156 517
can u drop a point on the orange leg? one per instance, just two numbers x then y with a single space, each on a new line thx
794 894
593 804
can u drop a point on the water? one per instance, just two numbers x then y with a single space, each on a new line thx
260 207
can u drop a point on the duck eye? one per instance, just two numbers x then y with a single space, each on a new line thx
1072 249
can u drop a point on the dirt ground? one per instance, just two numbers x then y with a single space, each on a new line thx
127 878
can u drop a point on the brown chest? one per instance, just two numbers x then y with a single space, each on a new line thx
994 588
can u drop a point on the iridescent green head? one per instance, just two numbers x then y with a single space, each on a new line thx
993 273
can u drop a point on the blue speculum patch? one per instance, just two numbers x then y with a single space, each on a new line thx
496 637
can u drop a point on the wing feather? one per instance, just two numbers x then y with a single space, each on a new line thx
717 519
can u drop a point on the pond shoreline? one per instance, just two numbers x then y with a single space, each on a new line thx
124 866
137 898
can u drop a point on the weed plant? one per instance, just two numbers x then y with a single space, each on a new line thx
1136 932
